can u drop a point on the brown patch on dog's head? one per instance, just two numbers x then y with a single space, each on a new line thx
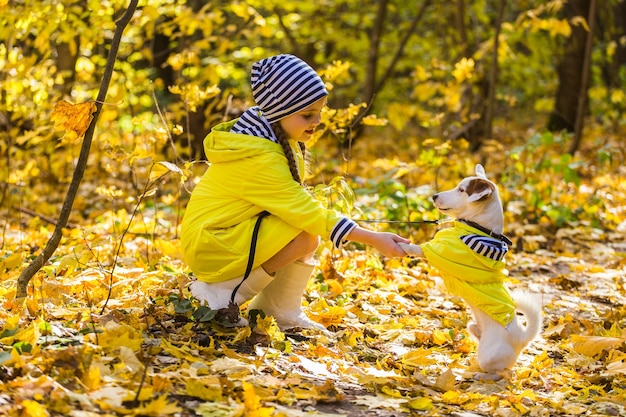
479 189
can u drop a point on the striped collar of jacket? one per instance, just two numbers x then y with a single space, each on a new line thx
486 246
253 123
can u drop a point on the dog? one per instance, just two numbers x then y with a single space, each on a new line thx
470 257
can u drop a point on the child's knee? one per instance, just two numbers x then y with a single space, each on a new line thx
308 243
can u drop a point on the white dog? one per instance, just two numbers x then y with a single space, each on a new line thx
469 257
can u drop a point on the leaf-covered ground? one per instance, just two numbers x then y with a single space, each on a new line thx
397 345
108 335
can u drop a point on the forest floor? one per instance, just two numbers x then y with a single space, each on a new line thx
397 345
107 335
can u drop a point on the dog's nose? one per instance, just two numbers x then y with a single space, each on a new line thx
435 197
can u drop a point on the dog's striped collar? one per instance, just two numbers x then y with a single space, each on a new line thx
491 233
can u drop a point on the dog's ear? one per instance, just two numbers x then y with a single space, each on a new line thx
479 189
480 171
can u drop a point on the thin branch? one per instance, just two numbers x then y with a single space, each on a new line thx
118 250
45 218
79 171
166 126
396 58
402 45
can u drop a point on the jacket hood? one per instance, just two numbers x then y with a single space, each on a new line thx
221 145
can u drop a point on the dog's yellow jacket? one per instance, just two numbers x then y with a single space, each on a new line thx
471 265
248 175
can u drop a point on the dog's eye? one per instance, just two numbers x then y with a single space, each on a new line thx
461 189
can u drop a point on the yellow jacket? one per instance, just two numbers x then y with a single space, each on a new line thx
471 265
248 175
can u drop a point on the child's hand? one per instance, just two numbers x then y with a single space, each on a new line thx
387 244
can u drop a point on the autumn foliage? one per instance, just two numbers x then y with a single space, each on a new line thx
108 326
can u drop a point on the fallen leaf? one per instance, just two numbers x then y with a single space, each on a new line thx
32 408
592 345
446 381
158 407
420 403
618 367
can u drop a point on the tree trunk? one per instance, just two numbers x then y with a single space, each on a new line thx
66 65
493 75
570 71
373 84
584 83
369 89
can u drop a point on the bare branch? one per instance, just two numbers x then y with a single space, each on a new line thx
79 171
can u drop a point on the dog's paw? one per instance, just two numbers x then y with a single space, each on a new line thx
411 249
473 330
493 376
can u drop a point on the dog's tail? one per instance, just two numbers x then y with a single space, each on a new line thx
529 304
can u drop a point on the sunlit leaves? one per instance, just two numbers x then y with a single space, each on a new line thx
337 194
193 95
337 71
120 335
463 69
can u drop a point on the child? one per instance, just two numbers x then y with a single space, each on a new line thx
257 166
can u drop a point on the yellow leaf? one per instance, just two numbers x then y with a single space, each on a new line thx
392 392
446 381
592 345
562 27
220 409
352 338
328 392
463 69
420 403
144 395
373 120
158 407
417 358
579 20
268 326
333 316
130 360
207 389
242 334
253 403
73 118
163 167
241 10
11 261
29 335
117 335
91 378
32 408
441 337
184 352
334 288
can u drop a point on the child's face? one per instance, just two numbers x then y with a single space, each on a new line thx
300 125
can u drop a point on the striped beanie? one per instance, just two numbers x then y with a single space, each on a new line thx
283 85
